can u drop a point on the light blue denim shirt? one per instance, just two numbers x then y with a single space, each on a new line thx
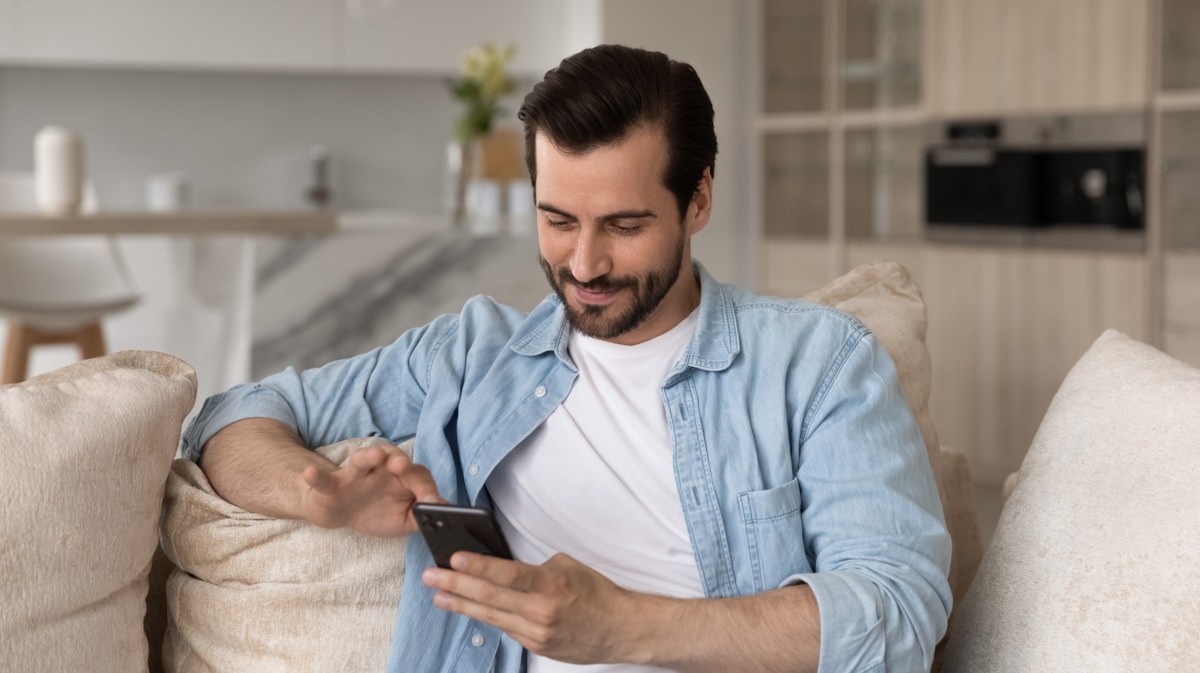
796 457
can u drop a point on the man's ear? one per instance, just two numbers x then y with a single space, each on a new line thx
700 207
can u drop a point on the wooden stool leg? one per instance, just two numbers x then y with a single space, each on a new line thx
91 341
16 353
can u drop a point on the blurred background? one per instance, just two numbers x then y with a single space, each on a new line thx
1034 163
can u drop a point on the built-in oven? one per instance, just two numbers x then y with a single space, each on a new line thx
1036 174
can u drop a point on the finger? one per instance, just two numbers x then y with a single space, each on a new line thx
510 622
398 463
474 589
417 479
363 461
500 572
318 480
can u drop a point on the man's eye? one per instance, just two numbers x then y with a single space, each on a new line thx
627 230
558 224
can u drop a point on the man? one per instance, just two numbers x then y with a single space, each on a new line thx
692 478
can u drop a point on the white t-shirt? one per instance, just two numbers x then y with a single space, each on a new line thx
596 480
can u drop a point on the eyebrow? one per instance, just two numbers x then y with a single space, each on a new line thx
608 217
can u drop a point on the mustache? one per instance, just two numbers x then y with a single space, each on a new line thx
600 284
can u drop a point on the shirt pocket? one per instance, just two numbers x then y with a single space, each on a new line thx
774 533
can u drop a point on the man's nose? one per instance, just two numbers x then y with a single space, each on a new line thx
591 259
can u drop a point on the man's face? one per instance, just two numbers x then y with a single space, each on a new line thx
611 240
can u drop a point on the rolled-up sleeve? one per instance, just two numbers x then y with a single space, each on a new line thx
873 521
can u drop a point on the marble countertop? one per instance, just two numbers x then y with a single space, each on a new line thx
182 222
192 222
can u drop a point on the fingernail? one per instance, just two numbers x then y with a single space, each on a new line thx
429 577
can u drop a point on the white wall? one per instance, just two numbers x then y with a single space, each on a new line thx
242 138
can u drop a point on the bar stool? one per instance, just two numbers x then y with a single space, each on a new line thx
55 289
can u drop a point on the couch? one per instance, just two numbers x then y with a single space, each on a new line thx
131 562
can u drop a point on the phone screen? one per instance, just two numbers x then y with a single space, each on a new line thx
451 528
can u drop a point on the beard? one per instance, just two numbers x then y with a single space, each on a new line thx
611 321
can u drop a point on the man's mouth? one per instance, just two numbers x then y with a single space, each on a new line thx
595 296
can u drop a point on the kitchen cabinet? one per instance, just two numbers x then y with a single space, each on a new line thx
793 56
841 161
796 184
992 57
419 36
1176 156
1180 213
884 183
264 34
1180 45
839 135
881 54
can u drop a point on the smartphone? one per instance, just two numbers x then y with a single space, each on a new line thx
450 528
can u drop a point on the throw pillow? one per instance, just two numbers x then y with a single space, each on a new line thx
1093 564
252 593
86 450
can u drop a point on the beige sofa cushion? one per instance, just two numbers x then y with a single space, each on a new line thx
85 451
1095 564
252 593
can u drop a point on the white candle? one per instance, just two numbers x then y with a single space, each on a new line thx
58 165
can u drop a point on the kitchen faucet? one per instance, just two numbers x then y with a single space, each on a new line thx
319 194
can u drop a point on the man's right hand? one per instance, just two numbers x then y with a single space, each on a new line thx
373 493
260 465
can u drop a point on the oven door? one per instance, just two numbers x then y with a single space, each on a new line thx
973 186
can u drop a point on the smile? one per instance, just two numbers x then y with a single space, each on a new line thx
594 297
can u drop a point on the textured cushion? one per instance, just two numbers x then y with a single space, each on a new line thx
253 593
1095 564
85 451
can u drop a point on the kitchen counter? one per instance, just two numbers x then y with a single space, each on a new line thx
182 222
242 294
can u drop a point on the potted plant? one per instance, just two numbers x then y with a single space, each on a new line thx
483 81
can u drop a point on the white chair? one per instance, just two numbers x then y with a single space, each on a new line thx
56 288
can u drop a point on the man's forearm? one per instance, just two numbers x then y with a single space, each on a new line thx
774 631
256 464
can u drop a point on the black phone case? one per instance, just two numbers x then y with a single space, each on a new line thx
461 529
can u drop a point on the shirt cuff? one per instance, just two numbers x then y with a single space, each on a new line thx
236 404
853 637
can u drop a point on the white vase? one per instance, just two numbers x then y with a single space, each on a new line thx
58 169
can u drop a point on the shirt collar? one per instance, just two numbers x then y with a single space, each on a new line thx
714 346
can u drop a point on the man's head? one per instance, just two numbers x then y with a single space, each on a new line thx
620 148
597 96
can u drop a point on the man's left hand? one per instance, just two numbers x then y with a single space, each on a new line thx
561 609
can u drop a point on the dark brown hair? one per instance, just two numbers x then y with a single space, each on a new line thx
596 97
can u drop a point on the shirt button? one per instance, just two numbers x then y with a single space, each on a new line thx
540 391
477 640
473 470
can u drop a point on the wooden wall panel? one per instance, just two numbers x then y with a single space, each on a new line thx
987 57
